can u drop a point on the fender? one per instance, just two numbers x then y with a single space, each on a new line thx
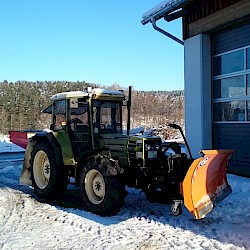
115 167
66 149
60 143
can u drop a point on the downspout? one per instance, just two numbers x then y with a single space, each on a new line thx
153 21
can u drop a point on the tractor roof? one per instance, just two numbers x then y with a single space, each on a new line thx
95 93
66 95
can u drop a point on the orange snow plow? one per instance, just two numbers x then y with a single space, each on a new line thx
205 184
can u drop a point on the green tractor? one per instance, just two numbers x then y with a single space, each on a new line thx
86 142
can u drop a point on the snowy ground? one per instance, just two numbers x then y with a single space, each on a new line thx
29 223
6 146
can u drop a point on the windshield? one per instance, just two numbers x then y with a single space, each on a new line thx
107 116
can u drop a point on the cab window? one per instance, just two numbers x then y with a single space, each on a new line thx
107 116
59 118
78 115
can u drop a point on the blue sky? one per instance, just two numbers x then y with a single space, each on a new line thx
96 41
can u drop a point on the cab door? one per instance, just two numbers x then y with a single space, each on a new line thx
79 126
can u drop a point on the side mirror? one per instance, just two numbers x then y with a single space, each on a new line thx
52 126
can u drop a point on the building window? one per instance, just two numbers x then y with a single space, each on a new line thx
229 63
231 86
229 111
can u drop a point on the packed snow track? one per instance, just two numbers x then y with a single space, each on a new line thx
29 223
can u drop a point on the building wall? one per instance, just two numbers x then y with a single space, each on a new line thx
208 35
198 113
204 16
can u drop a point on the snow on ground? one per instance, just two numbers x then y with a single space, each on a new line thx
29 223
7 146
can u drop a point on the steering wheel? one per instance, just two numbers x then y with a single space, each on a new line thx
102 126
75 120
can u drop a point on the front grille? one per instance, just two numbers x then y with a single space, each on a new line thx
131 149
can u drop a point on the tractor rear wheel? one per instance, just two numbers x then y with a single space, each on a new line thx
102 193
48 177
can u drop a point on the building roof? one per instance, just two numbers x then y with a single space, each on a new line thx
162 9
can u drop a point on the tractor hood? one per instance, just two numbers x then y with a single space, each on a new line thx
136 147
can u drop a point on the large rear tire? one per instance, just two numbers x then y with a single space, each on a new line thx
48 177
102 192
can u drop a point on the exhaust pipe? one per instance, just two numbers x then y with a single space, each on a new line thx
129 109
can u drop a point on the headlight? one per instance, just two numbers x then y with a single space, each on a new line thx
152 147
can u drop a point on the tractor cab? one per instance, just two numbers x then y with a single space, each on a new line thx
85 116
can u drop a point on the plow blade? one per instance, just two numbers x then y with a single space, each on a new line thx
205 184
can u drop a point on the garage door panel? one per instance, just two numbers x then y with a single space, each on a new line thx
236 137
231 39
231 94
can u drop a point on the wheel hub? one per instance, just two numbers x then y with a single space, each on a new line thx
98 186
46 169
41 169
95 186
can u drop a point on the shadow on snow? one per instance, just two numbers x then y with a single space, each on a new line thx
216 226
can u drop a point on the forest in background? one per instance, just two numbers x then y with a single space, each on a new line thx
21 104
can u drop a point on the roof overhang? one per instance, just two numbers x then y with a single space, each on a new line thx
162 9
169 10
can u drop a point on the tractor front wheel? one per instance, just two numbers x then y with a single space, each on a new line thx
102 193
